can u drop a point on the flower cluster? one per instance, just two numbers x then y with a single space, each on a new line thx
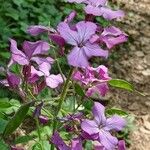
98 129
78 42
35 64
94 80
99 8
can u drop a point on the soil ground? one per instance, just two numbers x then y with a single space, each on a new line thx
133 64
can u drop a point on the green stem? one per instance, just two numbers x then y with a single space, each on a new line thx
39 134
38 128
62 98
58 65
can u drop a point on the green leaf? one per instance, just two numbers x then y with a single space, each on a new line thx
88 104
3 145
3 124
3 116
117 111
88 145
4 103
41 145
24 139
121 84
79 89
5 55
17 119
18 2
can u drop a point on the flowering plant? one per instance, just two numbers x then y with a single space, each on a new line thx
74 127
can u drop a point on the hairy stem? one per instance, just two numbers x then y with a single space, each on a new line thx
61 100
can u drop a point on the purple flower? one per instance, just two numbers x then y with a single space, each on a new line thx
37 111
76 143
57 39
32 53
13 80
111 36
102 126
53 35
54 80
38 29
70 17
29 52
121 145
51 80
93 79
38 87
16 148
58 142
79 38
43 119
99 8
77 1
72 117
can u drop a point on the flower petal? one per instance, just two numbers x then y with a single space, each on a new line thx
69 35
17 55
77 1
112 31
78 58
85 30
90 127
111 14
58 142
43 119
115 123
44 64
98 113
89 9
99 147
94 50
98 2
112 41
76 144
121 145
54 80
57 39
38 29
107 140
34 48
35 72
13 80
77 76
70 17
102 72
101 89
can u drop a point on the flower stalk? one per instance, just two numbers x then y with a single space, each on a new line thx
62 98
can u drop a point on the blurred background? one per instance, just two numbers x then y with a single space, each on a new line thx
130 61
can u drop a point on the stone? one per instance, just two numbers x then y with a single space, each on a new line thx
146 72
139 54
147 60
134 106
147 125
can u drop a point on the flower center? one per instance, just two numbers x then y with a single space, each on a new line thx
81 44
100 126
